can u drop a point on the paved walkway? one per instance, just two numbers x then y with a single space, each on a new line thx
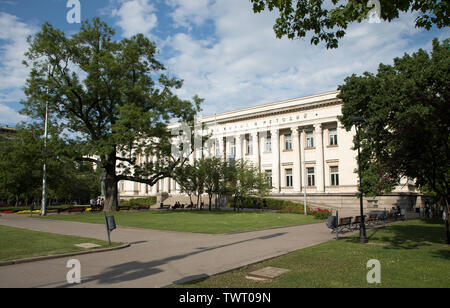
155 258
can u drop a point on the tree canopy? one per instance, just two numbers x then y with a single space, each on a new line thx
328 20
407 121
111 98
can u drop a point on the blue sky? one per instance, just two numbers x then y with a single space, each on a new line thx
222 50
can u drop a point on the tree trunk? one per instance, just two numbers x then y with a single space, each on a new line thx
210 198
111 198
447 235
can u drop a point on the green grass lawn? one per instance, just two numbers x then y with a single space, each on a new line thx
214 222
412 254
17 243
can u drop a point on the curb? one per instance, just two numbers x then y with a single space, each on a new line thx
70 254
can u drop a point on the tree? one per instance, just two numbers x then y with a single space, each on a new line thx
111 97
212 169
21 165
245 180
328 21
407 128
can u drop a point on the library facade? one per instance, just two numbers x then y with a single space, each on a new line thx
300 145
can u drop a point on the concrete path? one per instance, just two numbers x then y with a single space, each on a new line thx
155 258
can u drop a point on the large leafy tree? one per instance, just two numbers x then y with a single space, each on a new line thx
328 20
244 180
407 121
111 97
20 165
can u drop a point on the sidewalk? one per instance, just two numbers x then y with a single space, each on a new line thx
155 258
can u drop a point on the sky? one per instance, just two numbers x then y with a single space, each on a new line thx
225 53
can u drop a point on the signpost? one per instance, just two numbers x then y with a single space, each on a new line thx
110 225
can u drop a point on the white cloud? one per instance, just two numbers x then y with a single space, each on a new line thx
10 116
243 64
188 13
136 16
13 35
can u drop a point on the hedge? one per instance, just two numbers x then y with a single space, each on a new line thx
138 202
283 206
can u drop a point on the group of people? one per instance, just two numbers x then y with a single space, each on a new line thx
433 211
179 205
97 204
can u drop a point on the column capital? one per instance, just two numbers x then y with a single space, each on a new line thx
318 127
294 131
275 132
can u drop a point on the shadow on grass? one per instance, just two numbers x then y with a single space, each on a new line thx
135 270
407 236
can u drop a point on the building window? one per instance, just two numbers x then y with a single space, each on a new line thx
289 178
233 148
250 145
217 147
309 140
268 147
333 136
269 177
334 171
311 178
288 142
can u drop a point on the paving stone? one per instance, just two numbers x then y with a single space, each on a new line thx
267 273
87 245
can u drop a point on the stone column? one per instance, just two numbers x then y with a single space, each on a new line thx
320 174
296 167
221 148
275 139
238 144
304 182
255 146
166 184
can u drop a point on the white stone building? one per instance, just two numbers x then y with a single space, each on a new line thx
302 147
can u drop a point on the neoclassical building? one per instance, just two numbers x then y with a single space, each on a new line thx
300 145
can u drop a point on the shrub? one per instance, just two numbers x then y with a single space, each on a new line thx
319 213
272 204
138 202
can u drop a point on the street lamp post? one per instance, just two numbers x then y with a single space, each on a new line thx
357 121
44 168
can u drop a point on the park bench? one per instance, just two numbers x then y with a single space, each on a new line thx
164 207
356 223
373 218
345 223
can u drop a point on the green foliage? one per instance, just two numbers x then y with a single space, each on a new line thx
148 201
21 163
406 133
113 99
328 21
273 204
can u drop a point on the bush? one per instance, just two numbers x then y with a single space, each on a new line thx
320 213
272 204
138 202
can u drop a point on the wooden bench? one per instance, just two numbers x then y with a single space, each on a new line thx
345 223
373 218
164 207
